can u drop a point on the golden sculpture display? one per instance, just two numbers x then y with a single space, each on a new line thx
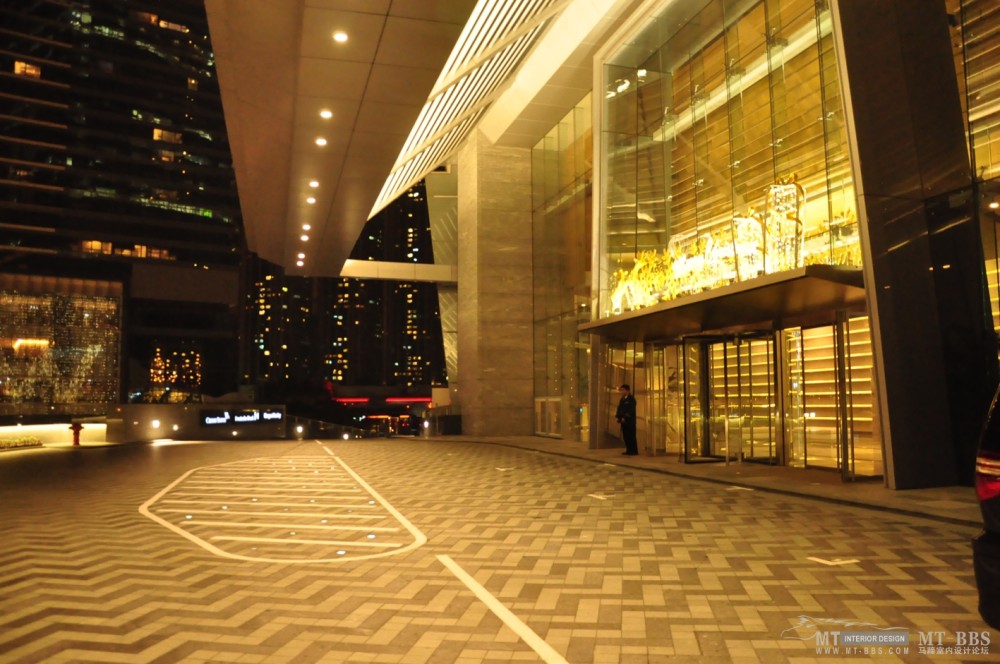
753 244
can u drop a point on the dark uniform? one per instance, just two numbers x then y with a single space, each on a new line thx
625 414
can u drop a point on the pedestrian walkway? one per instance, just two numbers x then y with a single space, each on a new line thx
496 550
954 504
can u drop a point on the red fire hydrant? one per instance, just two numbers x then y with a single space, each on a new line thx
75 428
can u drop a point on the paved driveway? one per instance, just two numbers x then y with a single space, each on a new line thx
465 552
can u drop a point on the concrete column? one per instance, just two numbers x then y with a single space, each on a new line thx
495 289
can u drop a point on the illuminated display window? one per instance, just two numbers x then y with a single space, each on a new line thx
713 172
58 353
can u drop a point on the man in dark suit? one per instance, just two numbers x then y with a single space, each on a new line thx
626 417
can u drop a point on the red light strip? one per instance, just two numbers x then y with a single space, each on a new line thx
407 399
352 400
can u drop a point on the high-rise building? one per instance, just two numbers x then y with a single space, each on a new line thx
117 192
402 325
308 331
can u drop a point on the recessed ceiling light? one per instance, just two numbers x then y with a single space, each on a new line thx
301 255
299 263
326 114
304 238
340 36
310 200
314 183
306 227
321 141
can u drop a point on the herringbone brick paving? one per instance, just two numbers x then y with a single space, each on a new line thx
603 562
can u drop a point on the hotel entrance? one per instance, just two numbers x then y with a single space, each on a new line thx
800 397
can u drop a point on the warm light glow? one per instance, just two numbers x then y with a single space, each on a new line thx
155 424
39 344
299 263
321 141
994 205
306 227
311 200
347 436
304 238
301 255
340 36
314 183
326 114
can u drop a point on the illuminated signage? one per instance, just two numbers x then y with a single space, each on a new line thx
211 418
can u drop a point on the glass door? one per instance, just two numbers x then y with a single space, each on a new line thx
759 411
742 409
697 443
830 415
666 400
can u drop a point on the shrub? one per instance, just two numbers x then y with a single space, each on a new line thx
20 441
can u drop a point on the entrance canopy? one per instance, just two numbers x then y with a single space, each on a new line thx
773 301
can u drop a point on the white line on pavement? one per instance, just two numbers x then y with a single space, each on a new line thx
835 561
528 635
419 538
311 515
301 526
216 499
295 540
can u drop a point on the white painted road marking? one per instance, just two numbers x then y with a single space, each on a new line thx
835 561
528 635
237 504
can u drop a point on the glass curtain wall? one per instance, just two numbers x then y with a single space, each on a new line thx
977 61
724 151
562 176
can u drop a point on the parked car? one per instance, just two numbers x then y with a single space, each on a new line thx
986 545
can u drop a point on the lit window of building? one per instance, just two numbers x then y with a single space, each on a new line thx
22 68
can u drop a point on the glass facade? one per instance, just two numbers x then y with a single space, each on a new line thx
724 152
978 62
113 142
562 176
724 159
115 165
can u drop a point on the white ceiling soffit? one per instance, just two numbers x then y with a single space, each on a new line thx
557 74
279 68
495 40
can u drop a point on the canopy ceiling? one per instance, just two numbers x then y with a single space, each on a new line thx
412 78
